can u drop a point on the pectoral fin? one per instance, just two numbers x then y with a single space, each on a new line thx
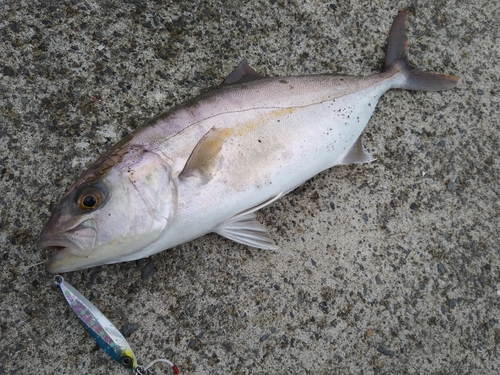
356 154
205 158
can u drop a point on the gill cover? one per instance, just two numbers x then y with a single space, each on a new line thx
151 176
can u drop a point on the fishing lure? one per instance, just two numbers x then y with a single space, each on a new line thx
105 334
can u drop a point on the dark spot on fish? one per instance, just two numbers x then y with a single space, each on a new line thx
283 81
260 141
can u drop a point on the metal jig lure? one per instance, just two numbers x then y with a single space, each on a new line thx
105 334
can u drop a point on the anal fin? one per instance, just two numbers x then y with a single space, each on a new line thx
357 154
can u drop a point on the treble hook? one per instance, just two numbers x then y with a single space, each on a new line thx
144 370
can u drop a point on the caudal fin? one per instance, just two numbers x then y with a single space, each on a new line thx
396 58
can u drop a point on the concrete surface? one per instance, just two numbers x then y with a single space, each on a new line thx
386 268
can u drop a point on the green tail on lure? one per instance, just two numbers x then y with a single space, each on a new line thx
105 334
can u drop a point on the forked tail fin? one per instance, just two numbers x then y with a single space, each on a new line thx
414 79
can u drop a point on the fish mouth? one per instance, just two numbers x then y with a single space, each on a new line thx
62 261
74 245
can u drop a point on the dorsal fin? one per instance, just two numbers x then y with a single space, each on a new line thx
204 159
242 73
357 154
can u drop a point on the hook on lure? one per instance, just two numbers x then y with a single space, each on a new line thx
105 334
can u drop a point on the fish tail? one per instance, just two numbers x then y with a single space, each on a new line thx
396 59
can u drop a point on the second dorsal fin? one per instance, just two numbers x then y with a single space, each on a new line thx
242 73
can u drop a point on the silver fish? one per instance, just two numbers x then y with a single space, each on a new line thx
209 164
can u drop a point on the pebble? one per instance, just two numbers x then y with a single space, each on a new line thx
7 71
324 307
128 329
14 26
148 271
28 310
441 269
385 351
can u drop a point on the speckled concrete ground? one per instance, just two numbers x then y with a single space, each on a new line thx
391 267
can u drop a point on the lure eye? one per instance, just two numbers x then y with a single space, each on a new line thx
126 361
89 199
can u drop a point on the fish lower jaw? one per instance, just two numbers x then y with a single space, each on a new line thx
66 259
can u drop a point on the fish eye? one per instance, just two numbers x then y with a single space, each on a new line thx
89 199
126 361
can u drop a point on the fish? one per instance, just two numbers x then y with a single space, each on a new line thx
104 333
206 166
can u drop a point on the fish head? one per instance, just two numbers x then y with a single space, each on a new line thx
119 206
